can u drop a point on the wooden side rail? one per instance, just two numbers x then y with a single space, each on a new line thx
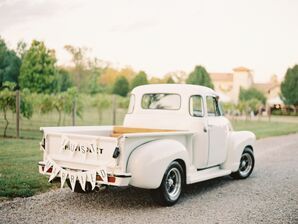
120 130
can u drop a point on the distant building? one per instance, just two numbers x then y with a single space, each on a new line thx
229 84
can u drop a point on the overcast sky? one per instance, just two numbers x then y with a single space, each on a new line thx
161 36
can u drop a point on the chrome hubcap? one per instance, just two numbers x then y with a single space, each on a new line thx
173 183
245 164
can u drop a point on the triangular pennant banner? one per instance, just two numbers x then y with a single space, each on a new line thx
63 176
91 177
55 172
82 179
72 178
47 166
102 172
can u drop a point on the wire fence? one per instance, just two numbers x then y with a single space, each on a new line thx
30 128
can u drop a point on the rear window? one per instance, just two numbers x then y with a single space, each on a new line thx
161 101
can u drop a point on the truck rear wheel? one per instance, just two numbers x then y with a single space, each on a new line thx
171 186
246 166
78 188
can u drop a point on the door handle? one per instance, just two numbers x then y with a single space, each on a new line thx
205 129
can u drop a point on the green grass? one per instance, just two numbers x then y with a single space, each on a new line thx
263 129
19 176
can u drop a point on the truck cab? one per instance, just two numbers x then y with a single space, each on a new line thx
183 107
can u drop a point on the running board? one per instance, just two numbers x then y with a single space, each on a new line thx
206 174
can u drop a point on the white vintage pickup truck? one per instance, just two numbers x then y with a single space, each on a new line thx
172 135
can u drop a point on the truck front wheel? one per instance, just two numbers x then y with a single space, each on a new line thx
246 166
171 186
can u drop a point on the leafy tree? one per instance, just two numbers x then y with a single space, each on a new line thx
26 105
242 107
156 80
73 98
200 77
80 65
94 85
21 49
63 80
53 102
38 71
109 76
254 104
247 106
121 86
122 102
228 107
139 79
3 61
170 80
9 64
252 93
101 102
178 76
62 102
289 87
8 102
128 73
46 103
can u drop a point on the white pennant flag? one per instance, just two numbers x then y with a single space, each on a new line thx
72 178
47 166
82 179
55 172
63 176
91 177
102 172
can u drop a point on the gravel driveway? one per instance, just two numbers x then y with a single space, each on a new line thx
270 195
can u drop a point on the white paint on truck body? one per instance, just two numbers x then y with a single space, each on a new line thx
205 145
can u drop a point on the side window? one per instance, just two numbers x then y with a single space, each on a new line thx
212 106
131 104
196 106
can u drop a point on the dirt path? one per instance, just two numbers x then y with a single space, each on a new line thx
270 195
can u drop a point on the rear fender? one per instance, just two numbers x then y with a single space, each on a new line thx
237 141
148 163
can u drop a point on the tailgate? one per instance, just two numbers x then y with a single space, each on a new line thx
80 152
81 158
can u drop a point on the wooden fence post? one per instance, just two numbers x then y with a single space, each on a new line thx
17 113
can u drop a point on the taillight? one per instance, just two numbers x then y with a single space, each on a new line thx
48 171
111 179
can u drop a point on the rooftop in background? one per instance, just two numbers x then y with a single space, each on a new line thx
241 69
225 77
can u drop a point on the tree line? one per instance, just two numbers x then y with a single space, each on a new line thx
33 69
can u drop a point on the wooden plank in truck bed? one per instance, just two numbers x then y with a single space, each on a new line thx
120 130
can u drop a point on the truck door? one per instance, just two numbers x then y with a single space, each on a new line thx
217 132
199 124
